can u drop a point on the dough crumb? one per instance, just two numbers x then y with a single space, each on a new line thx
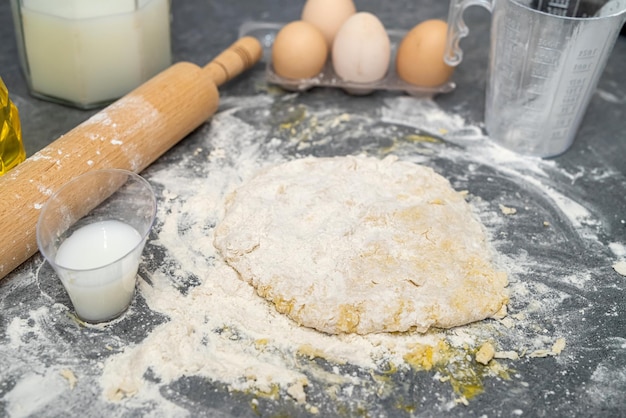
70 377
620 267
508 322
507 210
502 313
313 409
508 355
444 379
558 346
540 353
296 391
486 353
518 316
462 400
125 389
344 117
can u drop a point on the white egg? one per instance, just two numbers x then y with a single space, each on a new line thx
361 50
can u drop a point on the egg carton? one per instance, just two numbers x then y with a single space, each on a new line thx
266 32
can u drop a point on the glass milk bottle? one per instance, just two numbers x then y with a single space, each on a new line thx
88 53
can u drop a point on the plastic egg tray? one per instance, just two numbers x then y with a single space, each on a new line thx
266 32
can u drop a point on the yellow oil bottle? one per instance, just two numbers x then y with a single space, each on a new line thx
11 146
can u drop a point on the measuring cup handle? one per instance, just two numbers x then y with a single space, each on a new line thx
457 29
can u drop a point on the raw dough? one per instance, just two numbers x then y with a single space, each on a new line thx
361 245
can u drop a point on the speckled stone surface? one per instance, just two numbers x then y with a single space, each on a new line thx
593 317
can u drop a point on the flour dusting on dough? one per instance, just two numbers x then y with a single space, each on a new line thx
361 245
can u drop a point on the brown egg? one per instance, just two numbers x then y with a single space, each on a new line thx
299 51
419 59
328 16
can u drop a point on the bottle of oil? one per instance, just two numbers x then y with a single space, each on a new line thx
11 146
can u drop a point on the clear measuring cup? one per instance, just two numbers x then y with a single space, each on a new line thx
546 58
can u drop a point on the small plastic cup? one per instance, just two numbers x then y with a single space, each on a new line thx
92 231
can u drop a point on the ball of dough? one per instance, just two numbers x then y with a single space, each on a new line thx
360 245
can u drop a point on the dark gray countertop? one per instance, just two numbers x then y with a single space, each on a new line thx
566 262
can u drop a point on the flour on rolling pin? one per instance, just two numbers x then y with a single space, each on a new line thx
103 132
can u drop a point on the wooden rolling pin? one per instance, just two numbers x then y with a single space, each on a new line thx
129 134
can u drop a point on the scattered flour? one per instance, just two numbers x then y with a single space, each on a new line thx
33 392
618 249
218 329
256 348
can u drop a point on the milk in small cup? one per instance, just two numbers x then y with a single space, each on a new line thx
92 231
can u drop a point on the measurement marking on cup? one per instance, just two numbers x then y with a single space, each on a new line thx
541 73
583 67
560 8
566 110
547 56
586 54
550 48
550 62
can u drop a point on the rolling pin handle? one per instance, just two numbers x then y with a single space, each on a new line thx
239 57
